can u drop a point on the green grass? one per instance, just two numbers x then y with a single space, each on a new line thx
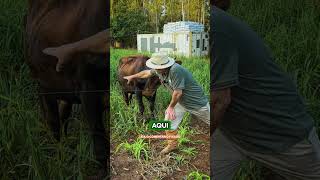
196 175
138 148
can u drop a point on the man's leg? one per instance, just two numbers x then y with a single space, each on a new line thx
300 162
225 157
179 112
202 114
173 143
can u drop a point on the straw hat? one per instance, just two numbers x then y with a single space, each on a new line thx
160 61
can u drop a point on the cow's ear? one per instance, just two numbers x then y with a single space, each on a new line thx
179 62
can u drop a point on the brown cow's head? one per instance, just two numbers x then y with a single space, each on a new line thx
152 84
222 4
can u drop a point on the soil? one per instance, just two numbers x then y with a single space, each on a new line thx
124 166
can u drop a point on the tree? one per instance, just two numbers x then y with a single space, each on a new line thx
129 17
126 26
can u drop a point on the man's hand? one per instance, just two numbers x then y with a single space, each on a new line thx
128 78
170 113
220 101
142 74
63 53
176 95
98 44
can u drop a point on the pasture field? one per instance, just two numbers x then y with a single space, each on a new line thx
134 157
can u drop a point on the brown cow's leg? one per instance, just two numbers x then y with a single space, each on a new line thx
126 97
130 97
50 111
65 109
93 107
140 101
152 100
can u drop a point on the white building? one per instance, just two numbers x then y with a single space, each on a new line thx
180 38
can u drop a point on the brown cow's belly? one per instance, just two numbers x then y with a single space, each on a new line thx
51 79
65 89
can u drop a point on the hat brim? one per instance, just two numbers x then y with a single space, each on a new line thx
154 66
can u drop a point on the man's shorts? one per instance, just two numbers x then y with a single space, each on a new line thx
201 114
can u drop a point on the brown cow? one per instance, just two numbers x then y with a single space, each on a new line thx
51 23
141 87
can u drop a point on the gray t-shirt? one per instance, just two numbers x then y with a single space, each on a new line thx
266 113
178 77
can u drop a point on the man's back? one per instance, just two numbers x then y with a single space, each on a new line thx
266 113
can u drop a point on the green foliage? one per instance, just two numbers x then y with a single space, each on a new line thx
189 151
137 148
148 16
183 131
127 25
180 159
196 175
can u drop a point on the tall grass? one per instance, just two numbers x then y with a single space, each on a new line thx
291 29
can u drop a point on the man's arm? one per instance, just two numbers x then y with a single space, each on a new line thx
176 95
178 84
224 74
142 74
98 43
220 101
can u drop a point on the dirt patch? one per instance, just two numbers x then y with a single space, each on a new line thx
124 166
